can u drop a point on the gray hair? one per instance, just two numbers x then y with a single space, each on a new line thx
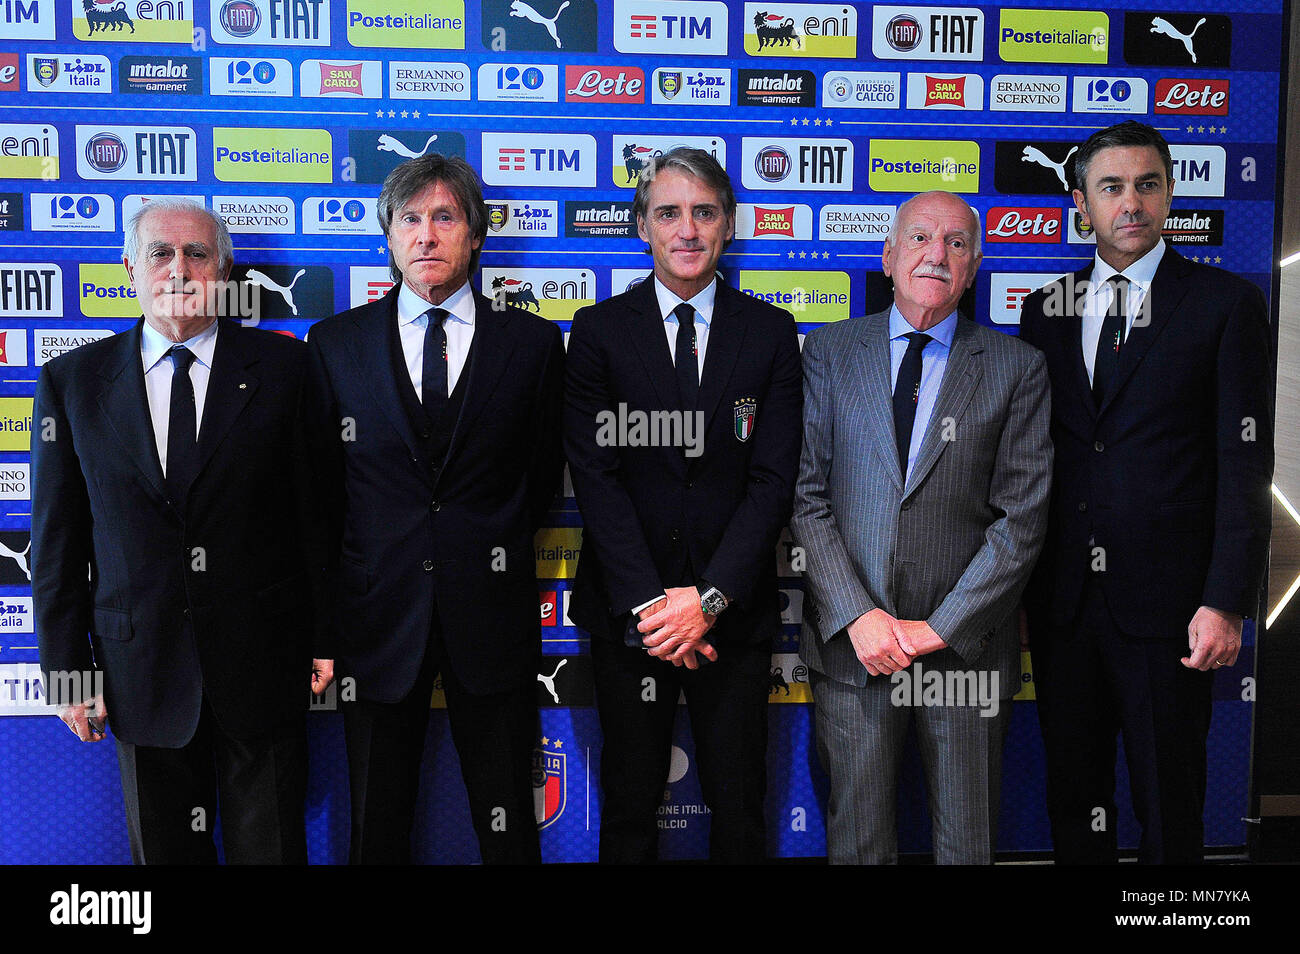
693 162
414 176
976 232
172 205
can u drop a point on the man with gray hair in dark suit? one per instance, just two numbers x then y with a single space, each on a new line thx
920 505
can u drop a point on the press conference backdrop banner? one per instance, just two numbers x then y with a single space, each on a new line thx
285 115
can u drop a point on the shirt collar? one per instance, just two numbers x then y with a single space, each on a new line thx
702 303
459 304
1140 273
942 332
154 346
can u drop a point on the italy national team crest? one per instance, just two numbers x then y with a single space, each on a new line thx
498 215
670 83
745 408
550 781
46 69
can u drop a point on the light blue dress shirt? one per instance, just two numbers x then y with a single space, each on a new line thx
934 360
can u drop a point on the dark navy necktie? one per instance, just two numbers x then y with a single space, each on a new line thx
1111 340
182 426
907 392
433 380
688 372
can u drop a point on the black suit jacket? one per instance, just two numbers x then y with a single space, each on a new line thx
654 518
402 542
1170 476
208 596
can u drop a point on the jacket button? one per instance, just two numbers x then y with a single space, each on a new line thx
675 535
1083 506
907 505
186 614
428 566
435 506
424 434
1098 447
690 484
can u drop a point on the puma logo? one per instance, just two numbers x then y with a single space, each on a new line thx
549 681
389 144
525 12
19 558
286 292
1161 25
1030 154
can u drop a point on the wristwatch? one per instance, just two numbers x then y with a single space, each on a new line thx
712 601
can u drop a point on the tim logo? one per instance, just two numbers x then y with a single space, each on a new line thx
670 26
550 781
774 30
542 159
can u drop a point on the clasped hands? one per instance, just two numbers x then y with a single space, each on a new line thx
885 645
673 628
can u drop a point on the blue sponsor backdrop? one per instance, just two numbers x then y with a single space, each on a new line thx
285 115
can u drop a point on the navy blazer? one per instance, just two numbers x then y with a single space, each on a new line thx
649 512
1170 476
202 597
401 542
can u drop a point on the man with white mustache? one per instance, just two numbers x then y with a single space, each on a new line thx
920 506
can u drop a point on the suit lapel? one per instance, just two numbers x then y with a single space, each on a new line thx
960 378
489 357
1166 292
645 326
231 385
726 336
373 352
874 371
126 408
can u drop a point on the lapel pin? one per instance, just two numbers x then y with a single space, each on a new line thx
242 385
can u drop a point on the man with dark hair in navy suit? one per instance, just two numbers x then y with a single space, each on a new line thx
1157 541
437 444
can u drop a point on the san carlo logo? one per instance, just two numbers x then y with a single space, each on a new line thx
903 33
240 18
105 152
772 163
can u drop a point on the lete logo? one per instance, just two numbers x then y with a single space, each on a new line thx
1192 97
1011 224
604 84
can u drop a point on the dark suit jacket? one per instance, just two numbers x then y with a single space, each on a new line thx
1168 476
648 510
401 542
99 503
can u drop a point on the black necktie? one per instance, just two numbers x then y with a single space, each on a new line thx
182 427
907 391
688 372
1111 340
433 380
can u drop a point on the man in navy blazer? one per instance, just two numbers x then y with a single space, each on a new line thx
1158 533
677 579
436 437
169 521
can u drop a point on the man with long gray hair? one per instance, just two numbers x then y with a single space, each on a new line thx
169 519
436 440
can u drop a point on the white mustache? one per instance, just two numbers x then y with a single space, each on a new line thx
926 270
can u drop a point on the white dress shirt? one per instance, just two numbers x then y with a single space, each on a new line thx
459 326
703 305
158 368
1097 301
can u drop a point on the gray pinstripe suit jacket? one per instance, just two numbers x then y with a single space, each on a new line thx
956 545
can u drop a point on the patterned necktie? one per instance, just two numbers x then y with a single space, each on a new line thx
1111 339
688 372
907 391
182 426
433 379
